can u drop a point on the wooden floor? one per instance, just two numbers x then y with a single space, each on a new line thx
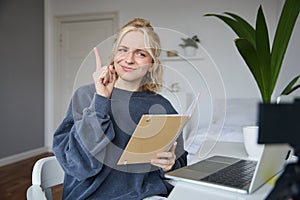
16 178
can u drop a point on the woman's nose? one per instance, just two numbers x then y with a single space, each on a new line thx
129 57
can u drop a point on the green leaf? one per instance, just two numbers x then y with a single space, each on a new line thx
249 55
263 52
290 87
283 33
241 28
249 32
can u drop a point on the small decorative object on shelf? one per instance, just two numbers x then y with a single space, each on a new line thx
172 53
190 45
174 87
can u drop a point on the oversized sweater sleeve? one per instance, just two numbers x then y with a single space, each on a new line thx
80 141
181 154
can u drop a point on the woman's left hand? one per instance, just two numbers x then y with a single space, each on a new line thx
165 160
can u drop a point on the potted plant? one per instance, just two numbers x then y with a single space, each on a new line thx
263 62
254 46
190 45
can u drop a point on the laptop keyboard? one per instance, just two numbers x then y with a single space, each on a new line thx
237 175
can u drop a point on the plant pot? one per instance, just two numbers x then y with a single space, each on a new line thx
190 51
250 136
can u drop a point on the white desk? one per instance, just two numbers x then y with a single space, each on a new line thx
184 190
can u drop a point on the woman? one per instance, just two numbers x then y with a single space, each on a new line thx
102 116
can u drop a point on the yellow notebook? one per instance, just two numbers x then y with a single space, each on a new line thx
153 134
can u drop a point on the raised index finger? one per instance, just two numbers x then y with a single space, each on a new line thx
98 59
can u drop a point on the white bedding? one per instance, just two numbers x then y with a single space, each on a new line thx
223 127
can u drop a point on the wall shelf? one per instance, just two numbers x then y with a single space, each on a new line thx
179 58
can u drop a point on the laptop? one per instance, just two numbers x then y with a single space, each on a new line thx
220 171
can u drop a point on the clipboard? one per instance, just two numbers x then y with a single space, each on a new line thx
153 134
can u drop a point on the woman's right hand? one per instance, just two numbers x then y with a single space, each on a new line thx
104 77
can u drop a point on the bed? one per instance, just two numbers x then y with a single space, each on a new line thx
223 122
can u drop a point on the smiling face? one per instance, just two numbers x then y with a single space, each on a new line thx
132 61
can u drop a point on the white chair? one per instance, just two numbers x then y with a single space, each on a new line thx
46 173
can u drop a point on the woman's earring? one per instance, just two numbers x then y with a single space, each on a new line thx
148 75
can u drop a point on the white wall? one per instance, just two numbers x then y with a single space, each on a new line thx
186 17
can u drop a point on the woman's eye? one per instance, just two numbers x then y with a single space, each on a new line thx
122 50
141 54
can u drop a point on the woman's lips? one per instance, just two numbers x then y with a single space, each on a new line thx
127 69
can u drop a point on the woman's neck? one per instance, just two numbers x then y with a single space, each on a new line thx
130 86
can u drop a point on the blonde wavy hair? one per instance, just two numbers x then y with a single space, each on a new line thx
152 80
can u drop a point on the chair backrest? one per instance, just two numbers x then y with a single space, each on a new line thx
47 173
